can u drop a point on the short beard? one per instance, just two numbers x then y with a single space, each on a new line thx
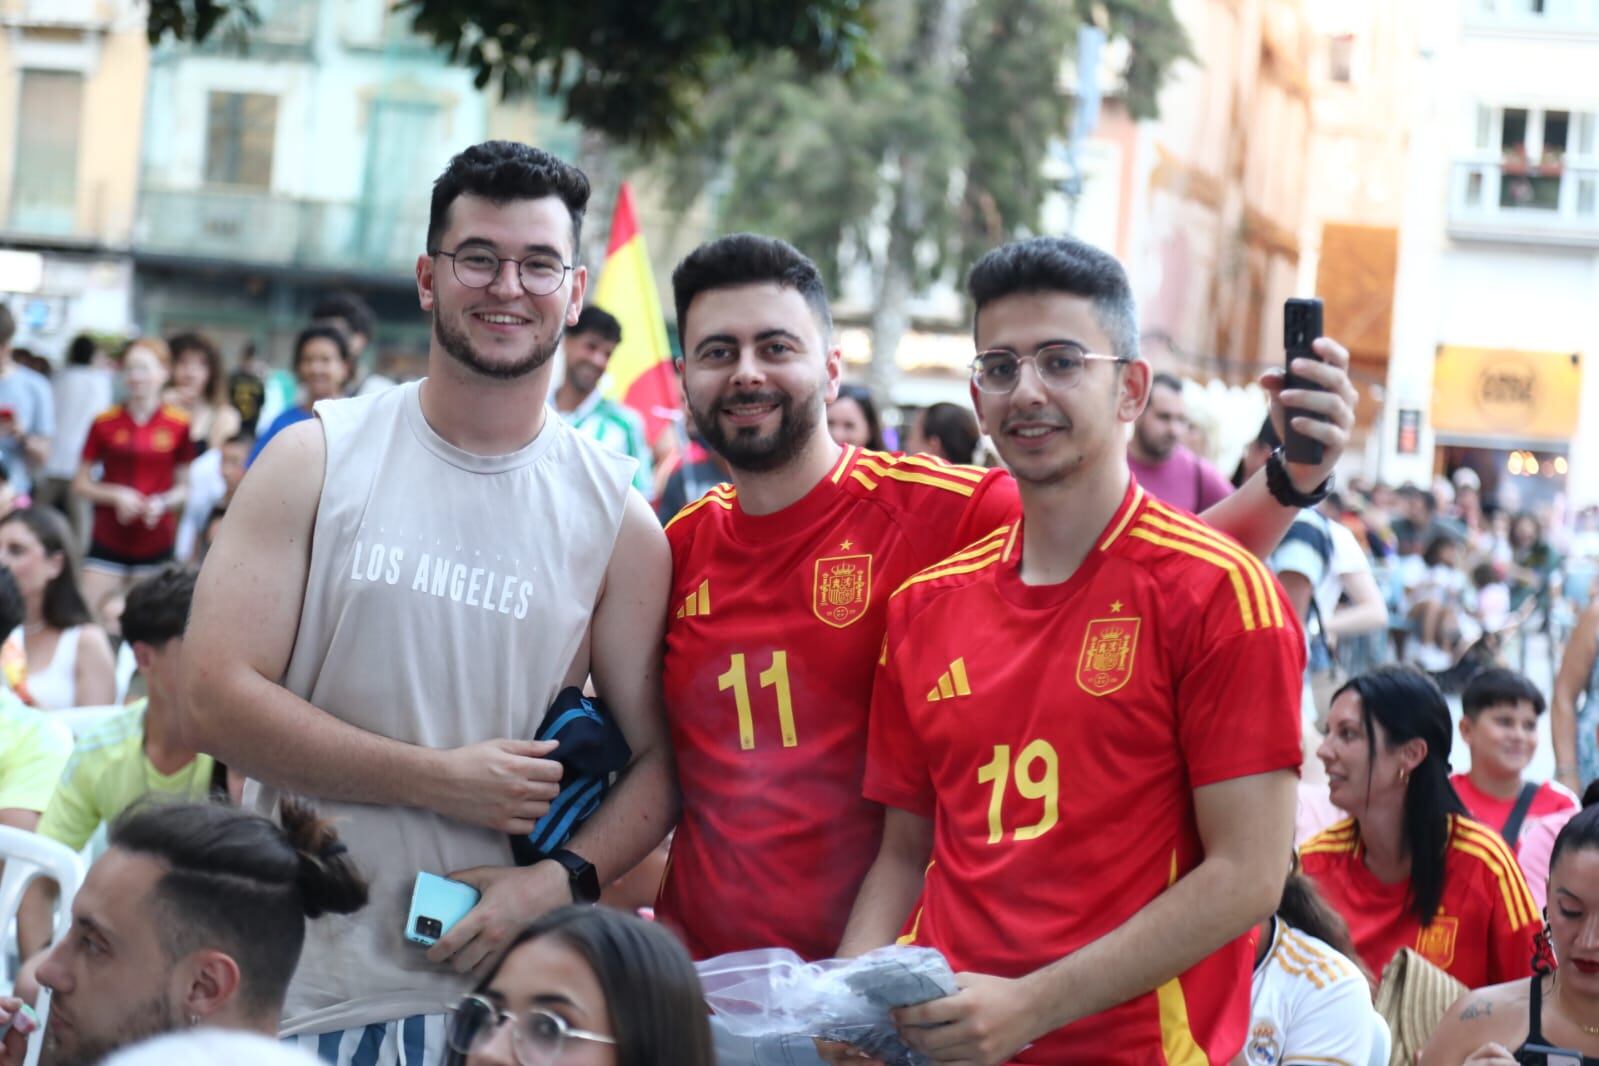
743 450
460 349
154 1017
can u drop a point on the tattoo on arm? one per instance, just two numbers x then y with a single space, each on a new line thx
1475 1009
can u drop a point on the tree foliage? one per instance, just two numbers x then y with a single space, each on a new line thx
633 72
934 157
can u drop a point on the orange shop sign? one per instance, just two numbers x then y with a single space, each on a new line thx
1500 392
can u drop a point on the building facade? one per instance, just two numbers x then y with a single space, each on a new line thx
303 164
72 87
1493 335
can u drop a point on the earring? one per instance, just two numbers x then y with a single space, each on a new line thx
1404 776
194 1020
1543 948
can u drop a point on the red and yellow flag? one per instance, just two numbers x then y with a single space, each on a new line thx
640 371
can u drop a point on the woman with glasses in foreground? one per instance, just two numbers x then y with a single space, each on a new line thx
585 985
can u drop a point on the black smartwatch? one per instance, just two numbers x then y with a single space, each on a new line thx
580 874
1282 488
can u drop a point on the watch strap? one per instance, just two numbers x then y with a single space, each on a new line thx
580 873
1282 488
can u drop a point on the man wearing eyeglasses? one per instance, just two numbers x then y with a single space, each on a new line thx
780 586
1090 825
403 586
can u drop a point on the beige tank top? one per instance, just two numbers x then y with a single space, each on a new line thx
449 595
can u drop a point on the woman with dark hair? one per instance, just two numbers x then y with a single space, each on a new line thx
200 387
322 366
69 657
603 985
1310 1000
1409 868
1556 1008
852 418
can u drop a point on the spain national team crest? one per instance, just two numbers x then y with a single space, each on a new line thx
843 589
162 440
1436 943
1264 1047
1109 646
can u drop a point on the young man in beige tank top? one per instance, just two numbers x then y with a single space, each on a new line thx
399 590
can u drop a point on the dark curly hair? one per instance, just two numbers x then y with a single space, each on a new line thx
503 171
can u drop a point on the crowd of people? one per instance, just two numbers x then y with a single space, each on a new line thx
1158 761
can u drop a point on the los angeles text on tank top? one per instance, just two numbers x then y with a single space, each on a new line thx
448 597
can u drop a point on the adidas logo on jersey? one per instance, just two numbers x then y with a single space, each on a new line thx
951 683
698 602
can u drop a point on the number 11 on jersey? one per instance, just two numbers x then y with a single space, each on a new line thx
774 676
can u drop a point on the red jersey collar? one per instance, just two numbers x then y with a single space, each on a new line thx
1024 595
797 516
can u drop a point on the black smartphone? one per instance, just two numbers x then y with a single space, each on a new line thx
1301 325
1543 1055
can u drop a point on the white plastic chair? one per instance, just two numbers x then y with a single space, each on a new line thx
28 856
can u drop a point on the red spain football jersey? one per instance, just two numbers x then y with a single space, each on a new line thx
1054 735
1551 798
778 620
1486 920
145 457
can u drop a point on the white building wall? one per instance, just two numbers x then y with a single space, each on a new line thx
1528 293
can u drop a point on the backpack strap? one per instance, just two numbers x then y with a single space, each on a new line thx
1518 813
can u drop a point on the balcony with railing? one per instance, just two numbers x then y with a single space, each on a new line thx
259 229
1552 202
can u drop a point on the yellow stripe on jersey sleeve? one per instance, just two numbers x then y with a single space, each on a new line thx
1132 512
843 463
1227 565
722 501
1488 846
1505 867
974 474
976 547
937 481
1267 603
991 557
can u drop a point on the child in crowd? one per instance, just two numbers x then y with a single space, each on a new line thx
1500 726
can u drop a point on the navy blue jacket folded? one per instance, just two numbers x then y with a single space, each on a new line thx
591 749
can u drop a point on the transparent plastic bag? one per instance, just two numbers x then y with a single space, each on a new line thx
769 1005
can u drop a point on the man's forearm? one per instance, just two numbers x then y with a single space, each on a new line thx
1252 517
1212 906
274 736
641 809
885 900
1357 619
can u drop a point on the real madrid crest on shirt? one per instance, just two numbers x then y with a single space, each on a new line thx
843 587
1109 645
1265 1048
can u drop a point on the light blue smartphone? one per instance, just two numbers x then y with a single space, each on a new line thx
437 903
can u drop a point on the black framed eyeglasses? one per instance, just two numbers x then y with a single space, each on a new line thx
537 1036
476 268
1060 366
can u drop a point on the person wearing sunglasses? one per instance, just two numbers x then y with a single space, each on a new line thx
585 985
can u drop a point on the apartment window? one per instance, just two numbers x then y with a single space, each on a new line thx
44 196
240 130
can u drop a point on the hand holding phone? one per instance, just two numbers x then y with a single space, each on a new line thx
437 903
1302 325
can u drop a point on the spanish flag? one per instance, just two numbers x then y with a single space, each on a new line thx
640 371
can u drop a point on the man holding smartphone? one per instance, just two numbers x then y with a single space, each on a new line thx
402 587
27 412
1116 663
